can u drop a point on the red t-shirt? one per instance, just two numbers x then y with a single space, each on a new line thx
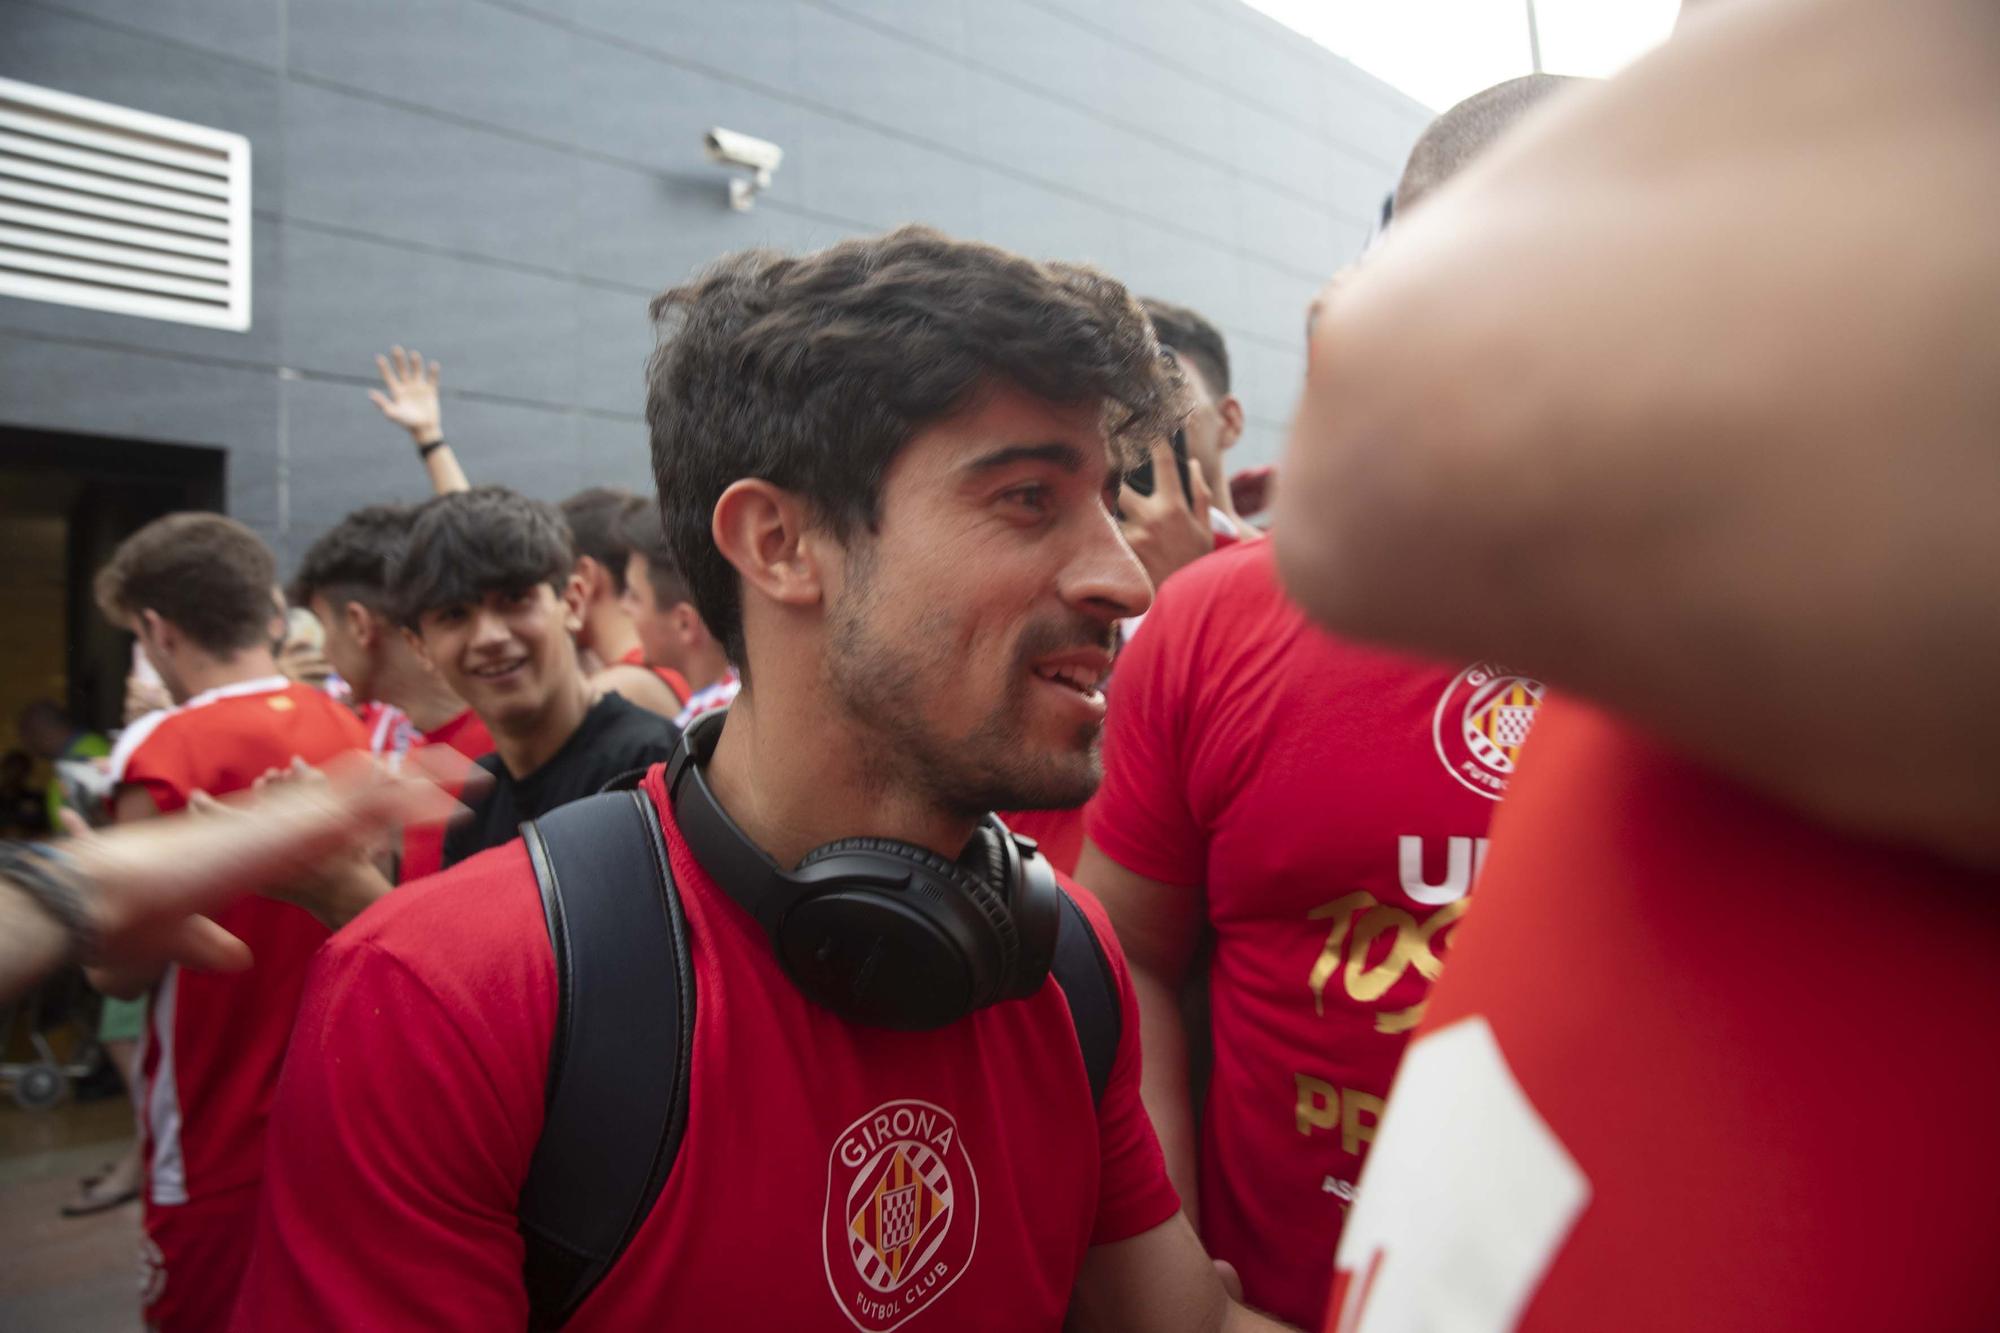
675 680
832 1176
1697 1064
390 731
1331 801
423 844
214 1041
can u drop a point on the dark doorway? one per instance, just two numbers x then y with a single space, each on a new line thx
66 501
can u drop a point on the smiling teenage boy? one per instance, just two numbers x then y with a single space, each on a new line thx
485 588
889 470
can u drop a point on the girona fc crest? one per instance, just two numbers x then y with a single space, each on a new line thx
1481 723
902 1213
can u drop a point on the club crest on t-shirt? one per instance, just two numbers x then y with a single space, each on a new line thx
902 1213
1481 723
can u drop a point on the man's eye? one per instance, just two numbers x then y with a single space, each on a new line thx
1034 498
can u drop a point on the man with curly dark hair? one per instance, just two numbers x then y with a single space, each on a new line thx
888 472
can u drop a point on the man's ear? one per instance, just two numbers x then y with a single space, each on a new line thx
1230 409
155 631
686 622
593 575
416 642
575 595
761 529
362 625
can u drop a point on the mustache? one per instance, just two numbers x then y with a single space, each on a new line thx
1067 634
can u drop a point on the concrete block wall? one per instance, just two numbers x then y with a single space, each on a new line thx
504 183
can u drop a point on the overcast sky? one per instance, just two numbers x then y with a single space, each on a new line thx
1439 51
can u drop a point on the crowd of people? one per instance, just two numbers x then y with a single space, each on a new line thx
1044 898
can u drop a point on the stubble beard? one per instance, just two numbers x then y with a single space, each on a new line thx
881 684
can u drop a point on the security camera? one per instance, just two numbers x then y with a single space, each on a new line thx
760 156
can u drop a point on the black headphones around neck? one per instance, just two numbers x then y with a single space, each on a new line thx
881 932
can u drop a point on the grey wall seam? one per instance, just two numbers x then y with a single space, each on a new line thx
944 147
1374 86
1298 44
636 166
1140 129
317 376
1224 244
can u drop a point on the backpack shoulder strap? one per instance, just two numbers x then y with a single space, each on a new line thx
1091 987
615 1112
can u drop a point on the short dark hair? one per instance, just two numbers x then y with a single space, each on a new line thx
469 543
646 537
355 560
813 372
1468 129
593 516
208 575
1192 338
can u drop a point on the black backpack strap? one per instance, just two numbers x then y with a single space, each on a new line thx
616 1112
1087 981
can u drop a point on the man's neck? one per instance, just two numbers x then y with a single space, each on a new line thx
1218 494
608 631
199 672
403 682
791 798
528 747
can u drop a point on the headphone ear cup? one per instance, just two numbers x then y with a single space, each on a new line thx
954 888
1034 903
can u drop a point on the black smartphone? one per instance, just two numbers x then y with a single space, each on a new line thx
1140 478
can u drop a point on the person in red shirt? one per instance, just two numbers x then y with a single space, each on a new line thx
609 633
196 590
1321 807
345 579
1716 456
672 634
1318 808
889 469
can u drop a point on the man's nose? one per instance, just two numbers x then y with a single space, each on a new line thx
1105 578
489 627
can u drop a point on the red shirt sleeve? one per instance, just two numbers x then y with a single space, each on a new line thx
1140 816
162 767
407 1114
1133 1193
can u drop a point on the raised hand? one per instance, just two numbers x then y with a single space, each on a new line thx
1170 527
412 398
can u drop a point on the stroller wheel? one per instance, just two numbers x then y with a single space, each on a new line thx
40 1087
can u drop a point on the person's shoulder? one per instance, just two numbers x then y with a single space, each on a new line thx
458 928
635 730
317 703
1241 569
136 738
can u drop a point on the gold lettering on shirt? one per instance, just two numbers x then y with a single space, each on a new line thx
1317 1104
1359 920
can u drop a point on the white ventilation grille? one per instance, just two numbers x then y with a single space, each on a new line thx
115 209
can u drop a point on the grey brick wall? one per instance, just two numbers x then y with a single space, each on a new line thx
503 183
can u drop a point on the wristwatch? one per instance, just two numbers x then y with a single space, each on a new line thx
51 879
